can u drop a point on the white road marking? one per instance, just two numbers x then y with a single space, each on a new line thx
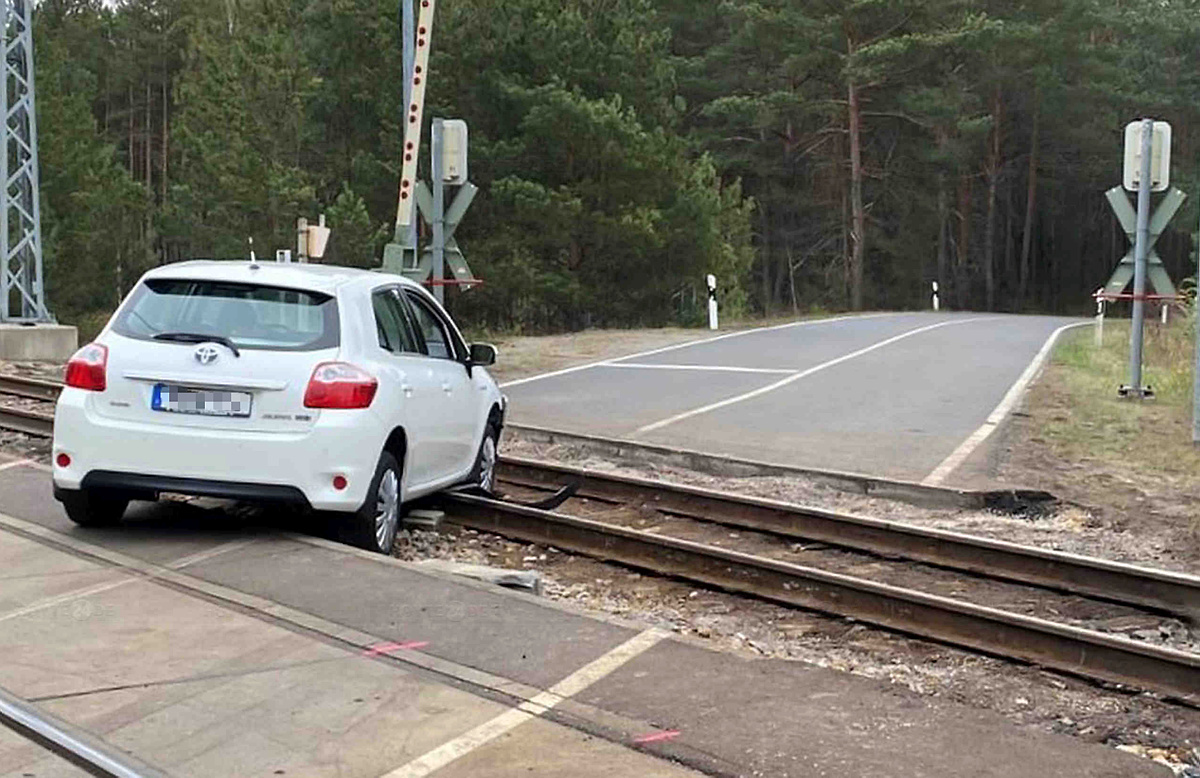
794 377
1015 392
577 368
88 591
532 708
717 368
18 463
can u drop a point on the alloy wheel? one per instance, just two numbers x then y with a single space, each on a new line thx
387 508
487 463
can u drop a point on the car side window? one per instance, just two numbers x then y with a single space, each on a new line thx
431 328
390 325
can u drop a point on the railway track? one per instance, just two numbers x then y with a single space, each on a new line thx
961 621
23 419
1030 638
1158 590
29 388
86 751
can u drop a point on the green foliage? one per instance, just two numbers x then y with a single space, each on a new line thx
611 219
240 133
93 213
352 241
624 148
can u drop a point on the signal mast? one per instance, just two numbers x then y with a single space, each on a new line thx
448 166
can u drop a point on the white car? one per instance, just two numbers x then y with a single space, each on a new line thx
331 388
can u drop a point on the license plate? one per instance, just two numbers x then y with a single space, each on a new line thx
200 402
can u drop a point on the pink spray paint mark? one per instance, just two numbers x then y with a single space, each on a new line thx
380 649
657 737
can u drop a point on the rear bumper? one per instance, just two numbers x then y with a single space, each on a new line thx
292 467
147 485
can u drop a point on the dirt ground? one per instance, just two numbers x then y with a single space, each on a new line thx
1130 468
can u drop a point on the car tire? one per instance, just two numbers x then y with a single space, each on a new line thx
90 508
373 526
483 474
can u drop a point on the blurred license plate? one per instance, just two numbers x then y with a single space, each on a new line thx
202 402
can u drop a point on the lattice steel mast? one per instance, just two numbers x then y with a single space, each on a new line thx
22 289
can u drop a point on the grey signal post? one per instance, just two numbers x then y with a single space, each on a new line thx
1141 246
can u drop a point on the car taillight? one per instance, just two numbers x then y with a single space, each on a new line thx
88 368
340 385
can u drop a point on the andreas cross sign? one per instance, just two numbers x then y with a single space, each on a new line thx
1160 172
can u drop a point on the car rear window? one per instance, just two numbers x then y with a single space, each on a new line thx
250 315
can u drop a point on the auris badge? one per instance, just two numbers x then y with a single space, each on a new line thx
206 354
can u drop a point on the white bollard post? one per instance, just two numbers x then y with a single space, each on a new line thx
1165 308
1098 330
712 301
936 302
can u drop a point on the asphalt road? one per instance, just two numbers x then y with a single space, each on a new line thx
885 394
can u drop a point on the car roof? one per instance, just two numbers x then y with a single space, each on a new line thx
294 275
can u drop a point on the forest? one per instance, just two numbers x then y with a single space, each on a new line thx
813 155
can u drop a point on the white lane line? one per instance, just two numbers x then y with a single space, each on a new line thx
532 708
88 591
794 377
716 368
1001 411
577 368
18 463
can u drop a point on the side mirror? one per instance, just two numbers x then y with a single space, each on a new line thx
482 354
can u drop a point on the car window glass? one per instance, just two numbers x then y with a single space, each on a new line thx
408 328
411 319
433 331
387 323
251 315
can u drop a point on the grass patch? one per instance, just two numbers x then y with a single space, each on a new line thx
1084 420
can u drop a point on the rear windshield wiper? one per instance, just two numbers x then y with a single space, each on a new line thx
195 337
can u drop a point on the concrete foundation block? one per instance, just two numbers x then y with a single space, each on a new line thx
423 519
37 343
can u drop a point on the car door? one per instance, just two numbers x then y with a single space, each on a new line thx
456 416
409 393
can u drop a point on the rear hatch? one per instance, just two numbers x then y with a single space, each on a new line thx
217 355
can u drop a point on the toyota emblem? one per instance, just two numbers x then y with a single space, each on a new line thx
206 354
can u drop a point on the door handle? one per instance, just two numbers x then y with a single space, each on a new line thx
446 387
406 389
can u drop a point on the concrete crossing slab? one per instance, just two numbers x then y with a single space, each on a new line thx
478 627
794 719
557 748
201 690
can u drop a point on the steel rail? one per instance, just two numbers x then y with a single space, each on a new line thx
1061 647
1160 590
84 750
19 420
30 388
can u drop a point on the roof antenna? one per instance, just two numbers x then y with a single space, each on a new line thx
253 259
